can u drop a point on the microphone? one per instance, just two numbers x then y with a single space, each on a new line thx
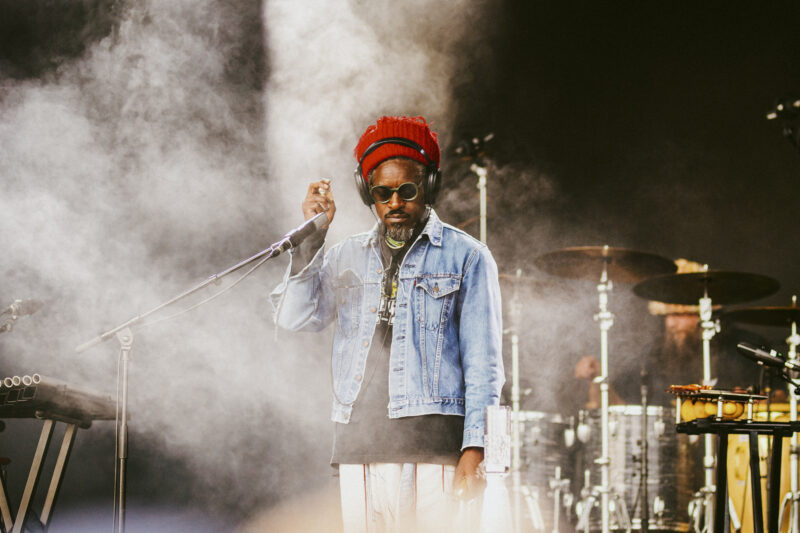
765 358
23 307
303 231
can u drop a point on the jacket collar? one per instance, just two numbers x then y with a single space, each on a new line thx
433 229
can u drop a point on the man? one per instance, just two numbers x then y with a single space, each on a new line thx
417 346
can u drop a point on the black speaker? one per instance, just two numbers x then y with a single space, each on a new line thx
433 179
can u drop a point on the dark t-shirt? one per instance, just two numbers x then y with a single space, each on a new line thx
371 436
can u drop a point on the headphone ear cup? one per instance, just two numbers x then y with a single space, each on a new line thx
362 187
433 184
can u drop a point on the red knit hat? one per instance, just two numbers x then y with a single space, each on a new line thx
414 129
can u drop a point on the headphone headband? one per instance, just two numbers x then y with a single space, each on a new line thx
408 143
432 181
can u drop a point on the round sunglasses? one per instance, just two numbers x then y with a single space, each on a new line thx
382 194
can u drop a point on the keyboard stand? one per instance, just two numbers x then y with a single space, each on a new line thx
15 523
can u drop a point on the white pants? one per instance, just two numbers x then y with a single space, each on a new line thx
398 498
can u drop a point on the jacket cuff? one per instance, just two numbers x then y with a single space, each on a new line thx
472 438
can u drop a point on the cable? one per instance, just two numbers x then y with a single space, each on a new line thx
213 296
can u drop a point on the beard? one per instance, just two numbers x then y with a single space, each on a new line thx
399 233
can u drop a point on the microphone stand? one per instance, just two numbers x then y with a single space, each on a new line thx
124 335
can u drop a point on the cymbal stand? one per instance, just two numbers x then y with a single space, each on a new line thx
793 495
706 494
606 319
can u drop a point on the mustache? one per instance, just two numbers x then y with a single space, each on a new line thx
395 212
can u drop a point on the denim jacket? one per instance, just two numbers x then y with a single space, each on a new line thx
446 352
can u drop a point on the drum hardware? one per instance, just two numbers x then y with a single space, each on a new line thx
569 433
532 503
701 287
589 500
558 485
613 264
546 470
519 490
584 432
516 482
561 495
669 472
782 316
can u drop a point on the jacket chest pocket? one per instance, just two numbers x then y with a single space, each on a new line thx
435 297
349 291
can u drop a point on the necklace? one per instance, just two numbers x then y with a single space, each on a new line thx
394 244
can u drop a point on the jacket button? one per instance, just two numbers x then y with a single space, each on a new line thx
435 288
346 416
366 343
379 270
372 309
358 377
341 301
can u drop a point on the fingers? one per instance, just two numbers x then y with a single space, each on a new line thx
319 198
468 481
468 486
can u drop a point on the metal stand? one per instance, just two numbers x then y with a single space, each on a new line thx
792 498
645 521
125 338
703 503
589 500
516 481
558 486
124 334
481 172
777 430
12 524
606 319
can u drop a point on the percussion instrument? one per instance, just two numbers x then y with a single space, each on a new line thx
722 287
587 262
673 464
707 288
605 265
547 443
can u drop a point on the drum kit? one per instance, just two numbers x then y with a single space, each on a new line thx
636 472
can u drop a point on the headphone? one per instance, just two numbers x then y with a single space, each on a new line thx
433 180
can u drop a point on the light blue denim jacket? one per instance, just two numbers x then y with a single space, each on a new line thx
446 354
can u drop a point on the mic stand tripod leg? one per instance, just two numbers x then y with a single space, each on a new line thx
125 338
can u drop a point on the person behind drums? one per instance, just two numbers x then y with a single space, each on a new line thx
676 359
417 346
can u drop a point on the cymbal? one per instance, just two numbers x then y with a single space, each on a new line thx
723 287
513 277
587 262
529 283
764 316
